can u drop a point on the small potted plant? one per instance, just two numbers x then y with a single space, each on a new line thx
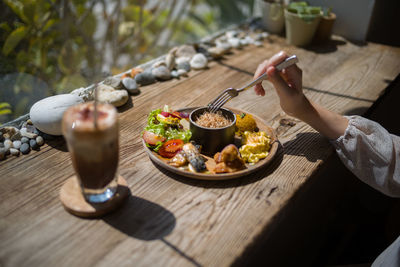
272 15
324 29
301 23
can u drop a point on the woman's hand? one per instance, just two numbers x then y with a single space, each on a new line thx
288 85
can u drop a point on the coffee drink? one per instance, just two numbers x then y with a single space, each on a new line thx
94 149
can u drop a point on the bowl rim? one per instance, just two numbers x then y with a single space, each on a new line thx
213 129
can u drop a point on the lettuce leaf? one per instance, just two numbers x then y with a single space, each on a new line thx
169 132
172 133
153 125
156 147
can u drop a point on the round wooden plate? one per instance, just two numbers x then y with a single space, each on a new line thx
262 126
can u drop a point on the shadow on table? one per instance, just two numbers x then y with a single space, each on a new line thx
336 94
250 178
308 145
142 219
145 220
220 62
126 106
356 111
57 142
328 47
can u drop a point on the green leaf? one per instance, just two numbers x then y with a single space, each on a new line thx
29 12
41 20
20 108
49 24
5 111
70 82
4 105
89 24
17 7
4 26
70 57
14 38
22 60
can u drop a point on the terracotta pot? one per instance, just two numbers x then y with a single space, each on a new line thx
298 31
324 30
272 16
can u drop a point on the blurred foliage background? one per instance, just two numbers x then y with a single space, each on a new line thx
50 47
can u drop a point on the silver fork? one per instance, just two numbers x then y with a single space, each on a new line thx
230 93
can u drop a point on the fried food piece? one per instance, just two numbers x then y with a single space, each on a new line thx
178 160
196 161
189 154
228 160
245 122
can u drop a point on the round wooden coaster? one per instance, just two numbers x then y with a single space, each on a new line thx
72 198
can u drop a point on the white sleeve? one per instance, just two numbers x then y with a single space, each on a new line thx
390 256
372 154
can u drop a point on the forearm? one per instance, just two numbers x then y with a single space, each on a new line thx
326 122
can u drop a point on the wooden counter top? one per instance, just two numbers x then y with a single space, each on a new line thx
176 221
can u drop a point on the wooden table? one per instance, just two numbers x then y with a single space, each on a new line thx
176 221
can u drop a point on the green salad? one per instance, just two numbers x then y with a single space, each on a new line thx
164 125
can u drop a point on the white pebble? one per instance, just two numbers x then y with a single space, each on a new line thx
182 72
26 133
107 94
231 34
180 60
8 144
39 140
46 114
249 39
199 61
17 144
14 151
243 42
234 42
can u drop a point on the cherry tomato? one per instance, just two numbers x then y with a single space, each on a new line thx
170 148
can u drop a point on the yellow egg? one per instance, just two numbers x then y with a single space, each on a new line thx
255 146
167 120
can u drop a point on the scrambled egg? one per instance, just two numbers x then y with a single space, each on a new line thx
255 146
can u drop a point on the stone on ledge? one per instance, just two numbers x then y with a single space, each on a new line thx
161 73
83 93
145 78
216 52
26 133
107 94
130 85
113 82
182 72
170 61
199 61
185 51
184 65
9 131
46 114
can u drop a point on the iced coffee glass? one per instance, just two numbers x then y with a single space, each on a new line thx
94 148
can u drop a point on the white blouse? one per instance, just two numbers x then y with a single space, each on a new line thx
373 155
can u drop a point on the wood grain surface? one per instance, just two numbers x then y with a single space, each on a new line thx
176 221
